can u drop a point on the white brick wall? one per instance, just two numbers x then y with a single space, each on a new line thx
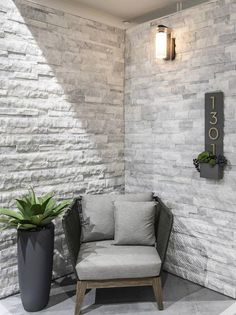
164 116
61 113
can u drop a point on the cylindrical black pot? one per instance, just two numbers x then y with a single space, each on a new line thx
35 261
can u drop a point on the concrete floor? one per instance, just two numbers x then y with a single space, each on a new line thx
181 297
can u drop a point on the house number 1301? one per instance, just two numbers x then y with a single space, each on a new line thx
213 131
214 122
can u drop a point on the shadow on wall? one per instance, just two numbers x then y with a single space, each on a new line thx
61 110
77 82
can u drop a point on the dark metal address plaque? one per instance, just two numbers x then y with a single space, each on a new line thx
214 122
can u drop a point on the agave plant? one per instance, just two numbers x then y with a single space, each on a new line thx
32 212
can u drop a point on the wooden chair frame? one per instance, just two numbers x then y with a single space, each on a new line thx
82 286
72 228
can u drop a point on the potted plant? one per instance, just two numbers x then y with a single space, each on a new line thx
35 244
209 165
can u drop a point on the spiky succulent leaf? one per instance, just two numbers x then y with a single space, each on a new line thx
8 223
48 220
45 203
61 206
6 227
11 214
24 207
33 212
44 198
26 226
36 209
5 221
50 205
33 196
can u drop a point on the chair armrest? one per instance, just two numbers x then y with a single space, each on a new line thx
163 228
72 229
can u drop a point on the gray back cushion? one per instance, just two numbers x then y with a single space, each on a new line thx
134 223
97 215
136 197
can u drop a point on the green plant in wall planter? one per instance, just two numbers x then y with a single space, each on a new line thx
35 244
209 165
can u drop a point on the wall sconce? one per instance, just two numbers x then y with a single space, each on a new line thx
165 43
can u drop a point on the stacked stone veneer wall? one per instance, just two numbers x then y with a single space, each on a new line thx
61 125
61 113
164 116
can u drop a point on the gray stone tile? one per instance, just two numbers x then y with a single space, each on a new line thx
181 297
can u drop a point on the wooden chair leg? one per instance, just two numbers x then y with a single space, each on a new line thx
80 292
157 288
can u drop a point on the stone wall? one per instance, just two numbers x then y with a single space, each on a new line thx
62 127
61 113
164 116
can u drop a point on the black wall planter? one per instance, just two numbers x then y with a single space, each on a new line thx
207 171
35 261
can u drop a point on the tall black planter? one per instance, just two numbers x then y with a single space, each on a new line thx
35 261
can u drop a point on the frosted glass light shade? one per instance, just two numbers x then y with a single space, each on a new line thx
161 45
165 43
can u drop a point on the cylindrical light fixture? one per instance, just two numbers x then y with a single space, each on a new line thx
165 44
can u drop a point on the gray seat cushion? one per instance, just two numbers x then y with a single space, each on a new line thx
104 260
97 215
